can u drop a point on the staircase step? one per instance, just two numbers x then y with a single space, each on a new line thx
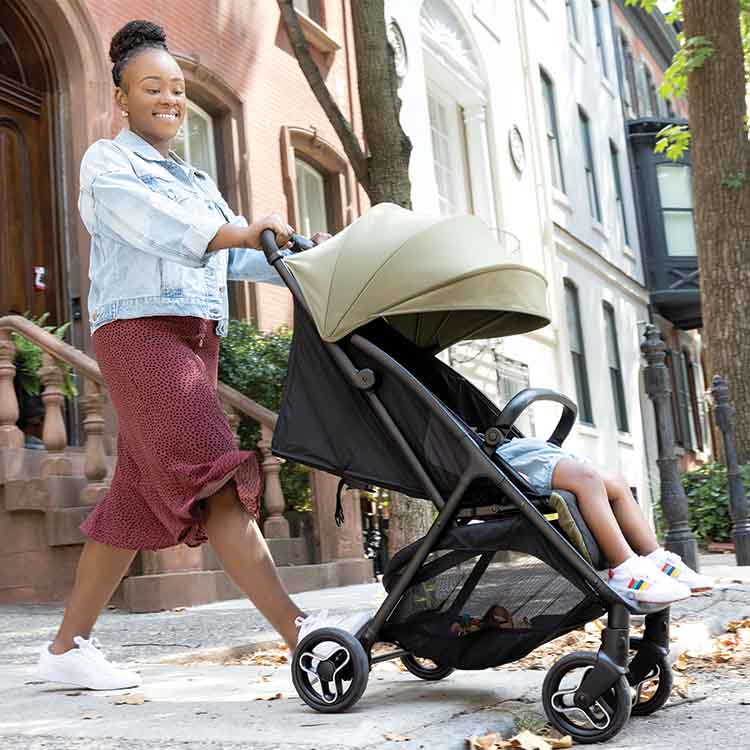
43 494
62 525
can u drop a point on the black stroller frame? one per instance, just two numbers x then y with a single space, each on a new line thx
610 687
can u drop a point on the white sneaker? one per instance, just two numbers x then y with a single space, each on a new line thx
671 565
351 623
84 667
640 580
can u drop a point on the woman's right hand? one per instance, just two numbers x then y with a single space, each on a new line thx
276 224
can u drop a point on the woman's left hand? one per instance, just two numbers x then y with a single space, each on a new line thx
319 237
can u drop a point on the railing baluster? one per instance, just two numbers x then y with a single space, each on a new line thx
275 526
95 466
53 433
10 435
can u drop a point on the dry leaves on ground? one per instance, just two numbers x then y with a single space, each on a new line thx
271 657
397 737
728 651
134 699
274 697
522 741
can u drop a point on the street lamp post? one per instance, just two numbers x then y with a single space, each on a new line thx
674 502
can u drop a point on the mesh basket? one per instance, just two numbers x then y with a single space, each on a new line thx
468 611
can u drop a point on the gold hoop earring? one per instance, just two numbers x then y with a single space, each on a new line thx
124 113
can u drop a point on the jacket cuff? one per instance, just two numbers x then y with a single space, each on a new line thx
199 235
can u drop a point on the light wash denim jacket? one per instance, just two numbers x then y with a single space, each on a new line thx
150 221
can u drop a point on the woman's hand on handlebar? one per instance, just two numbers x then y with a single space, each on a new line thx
276 224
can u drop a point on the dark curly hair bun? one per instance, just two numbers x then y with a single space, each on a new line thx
132 37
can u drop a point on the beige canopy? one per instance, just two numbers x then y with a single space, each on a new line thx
437 280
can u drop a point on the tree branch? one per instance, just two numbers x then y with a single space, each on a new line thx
340 124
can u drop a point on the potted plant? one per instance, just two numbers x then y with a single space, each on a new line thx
28 384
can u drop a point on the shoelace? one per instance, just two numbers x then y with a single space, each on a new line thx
93 648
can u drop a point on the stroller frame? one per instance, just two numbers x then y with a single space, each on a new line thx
612 659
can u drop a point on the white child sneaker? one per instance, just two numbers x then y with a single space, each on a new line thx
84 667
671 565
640 580
351 623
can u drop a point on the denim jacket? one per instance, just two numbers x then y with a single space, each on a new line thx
150 221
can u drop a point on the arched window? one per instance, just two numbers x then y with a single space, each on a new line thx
10 65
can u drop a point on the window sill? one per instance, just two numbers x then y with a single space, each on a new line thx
541 7
607 85
600 229
625 438
562 200
576 46
317 36
587 429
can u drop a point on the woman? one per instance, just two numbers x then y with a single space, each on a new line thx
163 244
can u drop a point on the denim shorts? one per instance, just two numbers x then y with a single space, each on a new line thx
535 459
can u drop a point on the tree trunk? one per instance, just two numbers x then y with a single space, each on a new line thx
408 520
720 151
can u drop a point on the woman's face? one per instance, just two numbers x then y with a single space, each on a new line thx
153 95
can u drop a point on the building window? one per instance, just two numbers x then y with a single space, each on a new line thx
195 140
676 198
312 212
553 132
449 153
588 165
644 99
512 378
630 78
618 191
681 401
10 65
653 97
696 406
311 8
598 12
577 352
570 6
615 369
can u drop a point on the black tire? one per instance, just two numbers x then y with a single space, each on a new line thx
662 673
432 674
335 684
598 724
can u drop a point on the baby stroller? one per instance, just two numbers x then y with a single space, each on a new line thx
367 399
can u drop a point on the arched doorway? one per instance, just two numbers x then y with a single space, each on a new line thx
30 258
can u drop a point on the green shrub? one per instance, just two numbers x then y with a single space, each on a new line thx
707 490
256 365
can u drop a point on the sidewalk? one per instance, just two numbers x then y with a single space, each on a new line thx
194 701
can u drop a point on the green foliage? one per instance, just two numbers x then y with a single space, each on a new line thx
28 360
708 503
674 140
256 365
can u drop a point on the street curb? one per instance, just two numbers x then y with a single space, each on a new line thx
220 654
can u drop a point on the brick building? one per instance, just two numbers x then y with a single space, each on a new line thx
252 122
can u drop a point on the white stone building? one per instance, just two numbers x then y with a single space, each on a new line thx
513 109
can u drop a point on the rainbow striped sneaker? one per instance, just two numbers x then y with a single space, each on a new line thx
671 565
640 580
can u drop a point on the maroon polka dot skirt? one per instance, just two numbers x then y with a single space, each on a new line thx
174 444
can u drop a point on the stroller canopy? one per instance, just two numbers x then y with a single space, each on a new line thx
438 281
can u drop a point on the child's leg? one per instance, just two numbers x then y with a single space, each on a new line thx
629 516
589 488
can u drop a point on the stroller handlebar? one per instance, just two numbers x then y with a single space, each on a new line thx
273 252
521 401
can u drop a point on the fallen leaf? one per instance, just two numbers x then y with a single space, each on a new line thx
397 737
73 693
136 699
274 697
86 717
522 741
179 609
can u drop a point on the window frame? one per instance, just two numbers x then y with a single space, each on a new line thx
550 111
589 166
315 10
301 165
583 390
619 195
597 9
673 209
615 372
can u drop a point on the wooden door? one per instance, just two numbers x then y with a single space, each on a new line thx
29 267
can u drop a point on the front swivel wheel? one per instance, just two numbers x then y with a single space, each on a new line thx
330 670
425 669
597 722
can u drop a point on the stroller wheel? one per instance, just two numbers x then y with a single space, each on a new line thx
585 724
425 669
651 692
337 681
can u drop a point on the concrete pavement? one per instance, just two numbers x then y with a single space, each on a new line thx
192 700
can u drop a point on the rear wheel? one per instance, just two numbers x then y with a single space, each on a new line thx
425 669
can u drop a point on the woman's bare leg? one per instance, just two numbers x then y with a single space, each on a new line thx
245 556
588 487
100 569
629 516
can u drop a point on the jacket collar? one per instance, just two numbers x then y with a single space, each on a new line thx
145 150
